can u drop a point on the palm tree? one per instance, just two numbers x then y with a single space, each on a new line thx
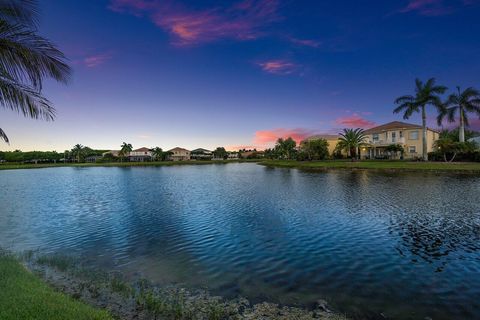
463 102
425 94
78 150
157 153
125 150
351 140
26 60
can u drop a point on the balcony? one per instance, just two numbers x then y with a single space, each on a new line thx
386 142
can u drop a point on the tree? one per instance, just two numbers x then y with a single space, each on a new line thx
314 149
77 151
395 149
463 103
157 153
125 150
26 60
425 94
220 152
285 148
351 140
450 147
454 134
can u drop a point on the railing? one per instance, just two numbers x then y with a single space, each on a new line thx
388 141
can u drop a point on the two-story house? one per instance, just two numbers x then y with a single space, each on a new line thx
140 155
179 154
409 136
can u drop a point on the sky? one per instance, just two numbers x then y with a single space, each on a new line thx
241 74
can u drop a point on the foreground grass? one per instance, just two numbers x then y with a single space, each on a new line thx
24 296
470 167
12 166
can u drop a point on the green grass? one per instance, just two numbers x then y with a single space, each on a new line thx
12 166
24 296
467 167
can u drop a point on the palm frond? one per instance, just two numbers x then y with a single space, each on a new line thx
22 99
403 99
3 136
27 57
24 12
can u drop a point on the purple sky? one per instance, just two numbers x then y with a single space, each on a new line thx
242 73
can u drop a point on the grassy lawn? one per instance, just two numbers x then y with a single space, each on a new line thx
473 167
24 296
11 166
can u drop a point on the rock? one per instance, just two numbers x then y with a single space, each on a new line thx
323 305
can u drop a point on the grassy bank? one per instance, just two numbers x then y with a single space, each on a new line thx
12 166
466 167
24 296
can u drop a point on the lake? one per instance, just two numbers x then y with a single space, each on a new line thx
406 245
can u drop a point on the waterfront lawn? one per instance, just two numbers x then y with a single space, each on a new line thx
24 296
399 165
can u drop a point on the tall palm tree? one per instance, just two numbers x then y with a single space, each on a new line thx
461 102
425 94
78 151
26 60
351 140
125 150
157 153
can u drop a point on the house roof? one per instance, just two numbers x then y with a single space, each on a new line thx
143 149
394 125
178 149
201 150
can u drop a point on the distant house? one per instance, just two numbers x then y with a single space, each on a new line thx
201 154
92 159
140 155
252 154
114 153
409 136
179 154
233 155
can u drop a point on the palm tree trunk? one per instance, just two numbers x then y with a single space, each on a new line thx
461 131
424 135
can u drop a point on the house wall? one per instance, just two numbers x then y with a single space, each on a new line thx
410 139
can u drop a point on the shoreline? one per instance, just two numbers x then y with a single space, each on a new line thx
141 299
389 166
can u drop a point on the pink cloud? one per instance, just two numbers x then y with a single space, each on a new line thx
96 60
354 121
243 21
279 67
269 137
305 42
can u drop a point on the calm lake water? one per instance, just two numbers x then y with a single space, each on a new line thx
406 245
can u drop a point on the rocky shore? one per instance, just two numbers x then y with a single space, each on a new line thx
140 299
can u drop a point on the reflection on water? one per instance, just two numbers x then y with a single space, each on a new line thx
405 245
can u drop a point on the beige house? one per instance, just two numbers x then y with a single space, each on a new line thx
409 136
179 154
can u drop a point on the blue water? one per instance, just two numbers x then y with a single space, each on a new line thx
405 245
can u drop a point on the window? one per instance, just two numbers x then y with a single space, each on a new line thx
375 137
401 134
413 135
394 136
412 149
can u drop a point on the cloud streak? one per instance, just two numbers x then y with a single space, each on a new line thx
354 121
435 7
243 21
278 67
96 60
